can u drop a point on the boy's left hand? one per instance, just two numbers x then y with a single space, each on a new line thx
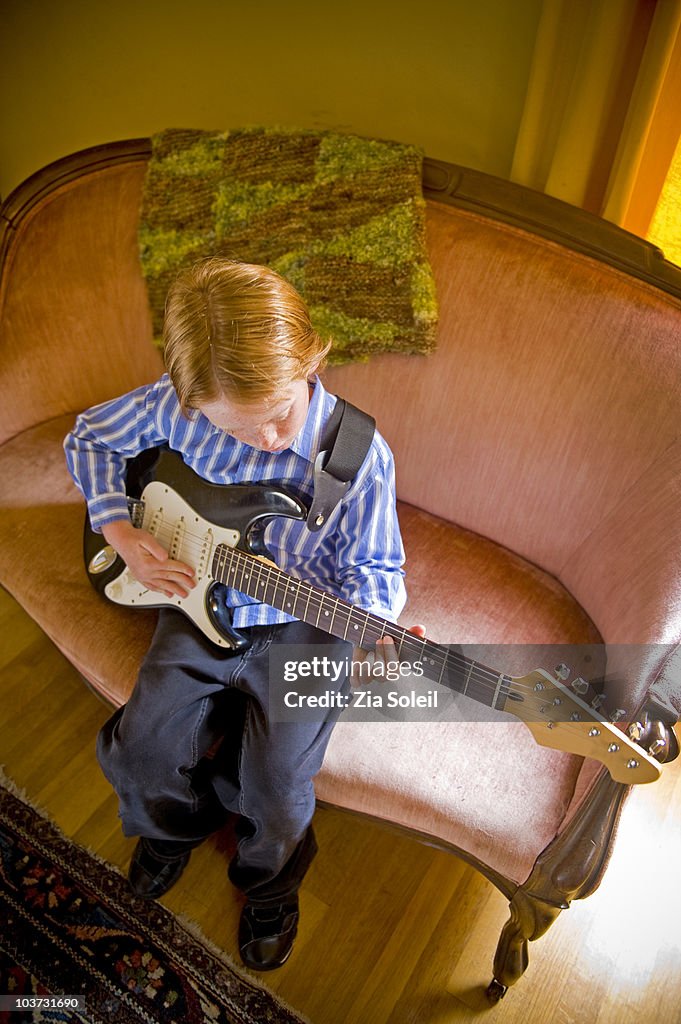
384 652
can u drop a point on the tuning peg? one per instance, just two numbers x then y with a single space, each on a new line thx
562 671
579 685
635 731
597 701
617 714
656 747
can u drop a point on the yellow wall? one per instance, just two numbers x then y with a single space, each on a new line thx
448 75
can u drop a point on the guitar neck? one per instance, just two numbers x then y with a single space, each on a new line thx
445 665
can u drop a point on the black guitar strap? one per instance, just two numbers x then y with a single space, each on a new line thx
345 444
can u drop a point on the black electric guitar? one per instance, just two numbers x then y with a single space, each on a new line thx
220 535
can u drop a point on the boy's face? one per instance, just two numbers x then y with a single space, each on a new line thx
271 424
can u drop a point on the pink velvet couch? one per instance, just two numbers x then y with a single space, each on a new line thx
538 460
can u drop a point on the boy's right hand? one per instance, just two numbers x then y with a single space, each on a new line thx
148 560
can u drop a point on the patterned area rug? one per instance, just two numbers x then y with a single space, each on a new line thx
341 217
69 925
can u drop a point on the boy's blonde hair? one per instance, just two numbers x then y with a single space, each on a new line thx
238 331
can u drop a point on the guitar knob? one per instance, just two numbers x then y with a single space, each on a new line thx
562 671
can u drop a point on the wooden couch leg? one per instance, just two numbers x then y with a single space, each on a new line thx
569 868
530 918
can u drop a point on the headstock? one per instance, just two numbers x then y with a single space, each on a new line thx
558 717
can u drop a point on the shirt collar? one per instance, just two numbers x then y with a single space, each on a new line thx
308 441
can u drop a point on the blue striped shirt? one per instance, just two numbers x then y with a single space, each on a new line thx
358 553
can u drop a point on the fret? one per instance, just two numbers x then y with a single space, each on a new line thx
419 648
353 618
399 645
444 666
244 577
471 666
219 564
319 611
262 584
410 645
273 584
376 633
269 594
341 610
307 604
288 601
481 687
328 614
333 615
296 601
360 642
261 581
423 644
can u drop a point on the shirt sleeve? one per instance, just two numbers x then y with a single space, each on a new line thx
369 549
103 439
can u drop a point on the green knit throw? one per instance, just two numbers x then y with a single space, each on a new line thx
340 217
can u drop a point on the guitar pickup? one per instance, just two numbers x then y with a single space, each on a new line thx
175 549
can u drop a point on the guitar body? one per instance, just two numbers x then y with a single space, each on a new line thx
190 529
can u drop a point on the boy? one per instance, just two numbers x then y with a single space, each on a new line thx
241 403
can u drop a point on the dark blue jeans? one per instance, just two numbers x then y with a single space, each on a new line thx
190 694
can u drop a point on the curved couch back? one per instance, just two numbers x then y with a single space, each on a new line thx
75 327
550 414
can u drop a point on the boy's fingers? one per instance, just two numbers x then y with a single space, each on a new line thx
181 568
153 548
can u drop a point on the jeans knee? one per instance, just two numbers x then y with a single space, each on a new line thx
134 753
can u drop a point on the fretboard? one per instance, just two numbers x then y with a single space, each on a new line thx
443 664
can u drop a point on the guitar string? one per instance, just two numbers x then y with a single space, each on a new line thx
484 678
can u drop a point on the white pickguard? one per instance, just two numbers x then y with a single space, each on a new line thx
188 538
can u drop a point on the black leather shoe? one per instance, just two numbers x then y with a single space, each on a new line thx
266 935
151 874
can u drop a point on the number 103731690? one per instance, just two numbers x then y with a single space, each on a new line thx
46 1002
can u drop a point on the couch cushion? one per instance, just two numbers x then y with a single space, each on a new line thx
465 783
41 563
485 788
467 589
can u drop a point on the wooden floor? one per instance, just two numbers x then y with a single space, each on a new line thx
392 932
